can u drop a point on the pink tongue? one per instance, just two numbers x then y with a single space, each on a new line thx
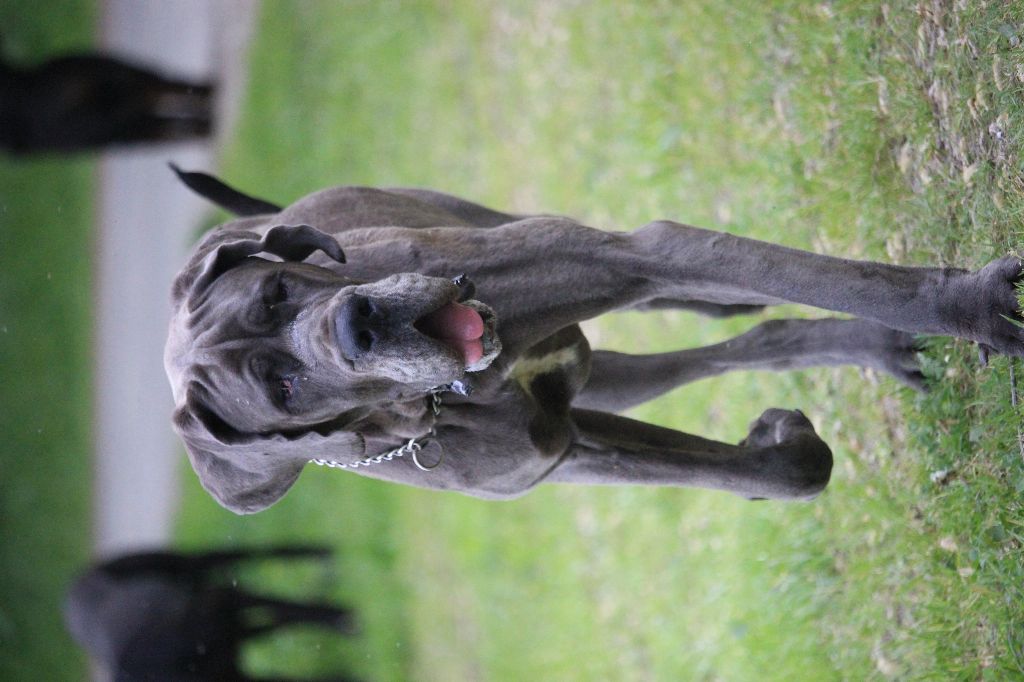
458 325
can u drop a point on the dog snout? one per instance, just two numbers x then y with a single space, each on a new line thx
359 325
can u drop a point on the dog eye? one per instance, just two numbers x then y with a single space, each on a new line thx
286 388
281 376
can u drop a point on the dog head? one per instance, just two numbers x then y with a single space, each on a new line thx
273 361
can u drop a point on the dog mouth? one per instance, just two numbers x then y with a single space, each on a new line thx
468 328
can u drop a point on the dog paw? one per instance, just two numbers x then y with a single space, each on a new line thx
776 426
986 308
890 351
795 463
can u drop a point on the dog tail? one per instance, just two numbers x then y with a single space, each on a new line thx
228 198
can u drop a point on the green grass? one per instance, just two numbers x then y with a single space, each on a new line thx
847 128
46 215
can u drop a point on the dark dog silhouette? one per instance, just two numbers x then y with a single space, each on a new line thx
87 101
171 616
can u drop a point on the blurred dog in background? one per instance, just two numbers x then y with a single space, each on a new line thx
165 615
80 102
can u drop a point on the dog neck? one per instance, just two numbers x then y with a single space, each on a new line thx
413 447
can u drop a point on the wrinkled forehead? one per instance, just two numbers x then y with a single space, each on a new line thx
232 389
224 314
230 295
217 358
209 334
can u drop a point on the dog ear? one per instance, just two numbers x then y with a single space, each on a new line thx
223 249
247 473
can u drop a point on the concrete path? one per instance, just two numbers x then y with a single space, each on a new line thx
146 221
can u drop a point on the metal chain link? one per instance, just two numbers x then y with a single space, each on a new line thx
413 447
410 448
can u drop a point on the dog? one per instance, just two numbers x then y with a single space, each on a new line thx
81 102
171 616
419 338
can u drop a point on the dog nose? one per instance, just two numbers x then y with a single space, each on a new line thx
359 325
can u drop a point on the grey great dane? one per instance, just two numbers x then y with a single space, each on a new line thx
415 337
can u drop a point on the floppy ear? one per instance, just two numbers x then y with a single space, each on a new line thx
247 473
223 249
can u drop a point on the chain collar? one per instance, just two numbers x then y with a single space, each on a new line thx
413 447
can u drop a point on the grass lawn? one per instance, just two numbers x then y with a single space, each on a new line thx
882 131
46 216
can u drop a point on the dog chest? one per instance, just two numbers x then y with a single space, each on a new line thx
551 373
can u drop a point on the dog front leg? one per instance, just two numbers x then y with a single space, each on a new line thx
781 458
722 268
278 613
549 273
